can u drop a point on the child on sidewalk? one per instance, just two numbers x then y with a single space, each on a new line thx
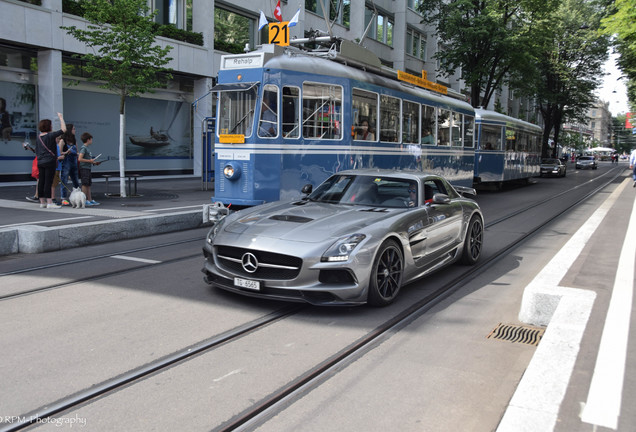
87 161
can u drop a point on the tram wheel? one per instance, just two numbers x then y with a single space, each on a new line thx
473 242
386 274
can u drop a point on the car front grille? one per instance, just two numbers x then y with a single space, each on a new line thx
271 265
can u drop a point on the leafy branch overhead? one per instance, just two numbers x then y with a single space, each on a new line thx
122 36
125 56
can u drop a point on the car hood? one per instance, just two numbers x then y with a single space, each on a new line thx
306 221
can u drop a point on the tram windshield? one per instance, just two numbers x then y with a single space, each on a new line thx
236 111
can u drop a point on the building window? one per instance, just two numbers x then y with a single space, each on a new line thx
413 4
381 28
339 12
232 31
416 44
170 12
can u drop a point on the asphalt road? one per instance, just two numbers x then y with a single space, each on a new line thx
143 299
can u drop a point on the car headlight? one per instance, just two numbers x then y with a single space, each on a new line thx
341 249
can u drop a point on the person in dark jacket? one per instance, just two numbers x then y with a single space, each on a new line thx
47 154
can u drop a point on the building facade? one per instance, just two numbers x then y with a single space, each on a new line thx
165 129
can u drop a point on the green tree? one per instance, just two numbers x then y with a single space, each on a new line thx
621 24
125 57
490 41
570 66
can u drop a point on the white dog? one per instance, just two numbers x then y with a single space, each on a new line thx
77 198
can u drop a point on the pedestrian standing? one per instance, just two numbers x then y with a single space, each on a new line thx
87 161
68 148
632 166
46 151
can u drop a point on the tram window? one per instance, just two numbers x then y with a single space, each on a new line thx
236 112
522 142
511 139
469 131
444 121
291 127
410 123
389 119
365 113
457 135
429 125
322 111
490 137
268 125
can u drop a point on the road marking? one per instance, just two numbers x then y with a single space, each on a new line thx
128 258
536 402
603 405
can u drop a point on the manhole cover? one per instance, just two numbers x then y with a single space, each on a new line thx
517 333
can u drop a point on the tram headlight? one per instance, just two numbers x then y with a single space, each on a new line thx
232 171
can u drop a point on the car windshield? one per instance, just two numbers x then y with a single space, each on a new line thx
367 190
550 161
586 158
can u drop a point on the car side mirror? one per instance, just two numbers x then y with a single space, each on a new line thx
440 198
307 189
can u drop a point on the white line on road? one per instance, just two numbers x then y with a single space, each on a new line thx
143 260
603 405
535 405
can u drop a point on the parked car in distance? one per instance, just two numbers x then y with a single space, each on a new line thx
553 167
584 162
356 238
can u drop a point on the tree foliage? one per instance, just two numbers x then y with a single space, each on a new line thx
125 55
490 41
621 24
570 65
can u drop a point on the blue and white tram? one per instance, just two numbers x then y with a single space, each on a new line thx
508 148
286 118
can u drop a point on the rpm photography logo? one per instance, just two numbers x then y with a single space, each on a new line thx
57 421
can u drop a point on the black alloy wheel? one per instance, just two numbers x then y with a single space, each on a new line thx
386 274
473 242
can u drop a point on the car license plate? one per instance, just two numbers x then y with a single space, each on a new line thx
246 283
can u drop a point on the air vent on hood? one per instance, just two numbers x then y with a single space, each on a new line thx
291 218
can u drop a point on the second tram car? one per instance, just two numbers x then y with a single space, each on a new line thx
507 148
286 118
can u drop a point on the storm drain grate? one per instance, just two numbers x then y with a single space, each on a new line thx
517 333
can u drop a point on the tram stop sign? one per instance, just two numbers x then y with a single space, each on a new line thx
279 33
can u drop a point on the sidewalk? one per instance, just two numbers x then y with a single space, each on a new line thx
161 205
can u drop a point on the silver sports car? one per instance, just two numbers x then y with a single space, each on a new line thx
357 238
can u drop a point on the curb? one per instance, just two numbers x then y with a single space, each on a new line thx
38 239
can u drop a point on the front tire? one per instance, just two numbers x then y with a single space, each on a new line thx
386 274
473 242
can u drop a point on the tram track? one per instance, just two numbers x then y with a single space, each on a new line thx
277 400
140 266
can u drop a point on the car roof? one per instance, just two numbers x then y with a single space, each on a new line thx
400 174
